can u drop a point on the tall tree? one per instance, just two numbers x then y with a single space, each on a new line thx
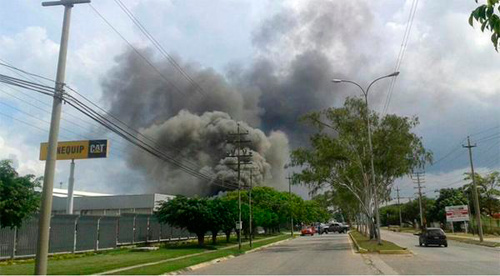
342 159
18 198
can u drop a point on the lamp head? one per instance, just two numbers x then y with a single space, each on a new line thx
336 80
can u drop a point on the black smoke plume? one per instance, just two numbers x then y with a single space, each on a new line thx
297 52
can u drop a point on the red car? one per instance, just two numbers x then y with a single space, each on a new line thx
308 230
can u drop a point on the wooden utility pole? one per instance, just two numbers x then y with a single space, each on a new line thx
475 195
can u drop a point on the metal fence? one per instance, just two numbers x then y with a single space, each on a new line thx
74 233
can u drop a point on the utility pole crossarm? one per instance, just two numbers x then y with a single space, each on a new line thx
64 3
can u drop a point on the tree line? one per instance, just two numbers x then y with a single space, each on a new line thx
271 209
488 187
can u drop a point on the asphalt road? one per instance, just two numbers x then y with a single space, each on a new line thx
333 254
325 254
457 258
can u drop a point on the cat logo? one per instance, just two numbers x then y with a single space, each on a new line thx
78 149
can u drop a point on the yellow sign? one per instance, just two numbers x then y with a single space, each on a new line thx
77 149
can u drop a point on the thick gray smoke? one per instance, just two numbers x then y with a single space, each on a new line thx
200 142
297 53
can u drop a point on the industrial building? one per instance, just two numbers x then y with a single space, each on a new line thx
87 203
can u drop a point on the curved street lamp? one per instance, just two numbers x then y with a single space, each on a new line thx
365 93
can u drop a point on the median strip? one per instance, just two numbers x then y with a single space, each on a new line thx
365 245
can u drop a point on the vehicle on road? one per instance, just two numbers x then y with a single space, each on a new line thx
338 227
323 228
308 230
430 236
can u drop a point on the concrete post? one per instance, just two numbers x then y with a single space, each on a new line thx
71 184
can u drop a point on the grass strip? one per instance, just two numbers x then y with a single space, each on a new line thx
372 245
97 262
183 263
473 241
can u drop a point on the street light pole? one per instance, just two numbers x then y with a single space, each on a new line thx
42 248
375 188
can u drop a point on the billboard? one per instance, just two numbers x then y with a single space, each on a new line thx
78 149
457 213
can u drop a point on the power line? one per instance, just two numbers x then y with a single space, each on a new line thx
6 64
75 103
144 58
160 48
120 131
402 52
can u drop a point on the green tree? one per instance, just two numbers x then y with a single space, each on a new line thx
194 214
488 188
224 214
229 217
487 16
342 160
18 198
447 197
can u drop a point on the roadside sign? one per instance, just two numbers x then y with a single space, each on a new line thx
457 213
78 149
239 225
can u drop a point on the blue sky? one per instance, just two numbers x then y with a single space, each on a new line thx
448 78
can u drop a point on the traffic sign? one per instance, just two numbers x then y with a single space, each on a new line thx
78 149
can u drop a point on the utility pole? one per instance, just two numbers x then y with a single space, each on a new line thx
250 206
42 249
419 180
290 202
475 196
242 157
399 207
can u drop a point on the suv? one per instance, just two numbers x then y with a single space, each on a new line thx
432 236
338 227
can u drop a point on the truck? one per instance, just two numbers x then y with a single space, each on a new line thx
338 227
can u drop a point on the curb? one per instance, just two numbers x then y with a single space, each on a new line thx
360 249
218 260
200 265
404 251
266 246
114 271
476 242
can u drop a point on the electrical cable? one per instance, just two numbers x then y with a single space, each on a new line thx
159 47
401 54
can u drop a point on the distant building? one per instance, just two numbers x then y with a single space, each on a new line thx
87 203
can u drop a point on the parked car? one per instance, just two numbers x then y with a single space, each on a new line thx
432 236
308 230
338 227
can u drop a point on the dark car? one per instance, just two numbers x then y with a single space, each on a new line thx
432 236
